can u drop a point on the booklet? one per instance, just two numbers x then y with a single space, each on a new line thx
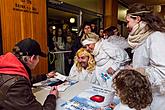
90 99
62 87
48 82
60 76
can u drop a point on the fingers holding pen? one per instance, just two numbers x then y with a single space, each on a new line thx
54 91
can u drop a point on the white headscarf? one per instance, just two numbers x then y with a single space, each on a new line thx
88 41
89 38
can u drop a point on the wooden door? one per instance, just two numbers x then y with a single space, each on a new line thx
20 19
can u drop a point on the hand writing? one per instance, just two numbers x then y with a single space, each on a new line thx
54 91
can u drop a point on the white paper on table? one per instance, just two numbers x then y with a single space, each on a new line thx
62 87
60 76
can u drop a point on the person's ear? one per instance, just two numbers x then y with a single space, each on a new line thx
32 58
138 19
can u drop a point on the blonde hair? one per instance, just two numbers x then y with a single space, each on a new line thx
91 61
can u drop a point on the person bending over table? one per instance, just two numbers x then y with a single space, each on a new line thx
15 75
109 57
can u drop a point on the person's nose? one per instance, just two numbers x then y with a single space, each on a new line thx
79 59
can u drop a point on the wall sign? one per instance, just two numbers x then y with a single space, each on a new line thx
25 6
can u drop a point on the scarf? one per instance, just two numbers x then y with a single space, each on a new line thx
138 34
97 48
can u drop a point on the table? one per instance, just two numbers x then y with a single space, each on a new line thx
74 90
68 94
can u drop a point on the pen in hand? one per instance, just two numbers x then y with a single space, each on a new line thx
54 91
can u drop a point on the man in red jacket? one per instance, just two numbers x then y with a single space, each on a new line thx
15 75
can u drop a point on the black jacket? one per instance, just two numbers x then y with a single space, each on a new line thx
15 87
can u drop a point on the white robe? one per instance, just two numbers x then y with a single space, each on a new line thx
119 41
151 56
84 75
109 55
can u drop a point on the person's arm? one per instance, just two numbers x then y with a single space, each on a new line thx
155 64
42 77
50 98
20 96
38 78
117 55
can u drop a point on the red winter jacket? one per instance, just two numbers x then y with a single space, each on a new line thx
15 87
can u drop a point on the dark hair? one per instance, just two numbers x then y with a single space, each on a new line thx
110 30
81 29
154 22
133 88
86 24
62 34
99 32
20 55
16 51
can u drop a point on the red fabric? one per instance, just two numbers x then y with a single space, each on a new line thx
9 64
